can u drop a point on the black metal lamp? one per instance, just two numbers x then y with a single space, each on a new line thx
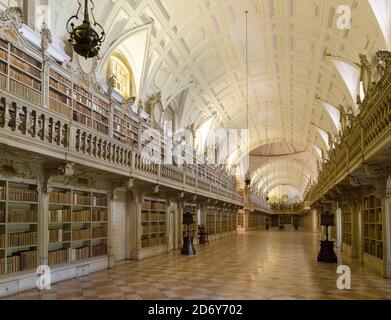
84 39
327 253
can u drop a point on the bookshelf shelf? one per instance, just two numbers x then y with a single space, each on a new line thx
18 227
72 215
153 225
211 221
373 227
347 224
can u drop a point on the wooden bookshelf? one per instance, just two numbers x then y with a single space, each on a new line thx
25 74
373 227
153 222
192 228
211 221
347 224
219 221
240 220
60 94
100 115
18 227
126 126
82 106
78 225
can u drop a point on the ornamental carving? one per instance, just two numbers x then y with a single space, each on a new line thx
11 21
21 169
46 37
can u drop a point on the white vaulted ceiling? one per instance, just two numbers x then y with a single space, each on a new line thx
196 58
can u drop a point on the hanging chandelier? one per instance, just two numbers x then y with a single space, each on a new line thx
84 39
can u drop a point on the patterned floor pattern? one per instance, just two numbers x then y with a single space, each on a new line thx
252 266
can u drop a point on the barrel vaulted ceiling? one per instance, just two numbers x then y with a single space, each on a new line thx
196 59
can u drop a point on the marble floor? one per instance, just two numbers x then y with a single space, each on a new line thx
255 265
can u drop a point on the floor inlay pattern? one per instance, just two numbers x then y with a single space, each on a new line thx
256 265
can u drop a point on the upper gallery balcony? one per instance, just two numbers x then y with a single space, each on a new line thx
48 109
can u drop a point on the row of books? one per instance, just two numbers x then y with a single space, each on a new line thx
373 248
2 241
60 78
100 127
59 235
2 266
60 197
25 57
59 108
22 261
99 232
99 250
100 201
81 234
25 79
157 216
81 199
60 215
60 87
77 106
81 216
3 67
80 253
81 102
3 54
374 233
2 216
23 195
3 191
153 228
81 118
21 239
22 216
101 110
69 255
58 256
25 92
81 91
100 215
101 118
60 98
25 67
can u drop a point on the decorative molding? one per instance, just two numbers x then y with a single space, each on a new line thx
11 22
21 169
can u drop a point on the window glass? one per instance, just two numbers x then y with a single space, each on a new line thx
121 76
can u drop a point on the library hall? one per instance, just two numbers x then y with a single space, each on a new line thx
207 150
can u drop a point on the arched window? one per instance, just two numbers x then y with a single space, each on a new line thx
122 76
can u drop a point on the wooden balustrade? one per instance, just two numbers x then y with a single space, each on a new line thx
43 126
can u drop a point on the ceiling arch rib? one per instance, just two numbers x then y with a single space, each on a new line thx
382 11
